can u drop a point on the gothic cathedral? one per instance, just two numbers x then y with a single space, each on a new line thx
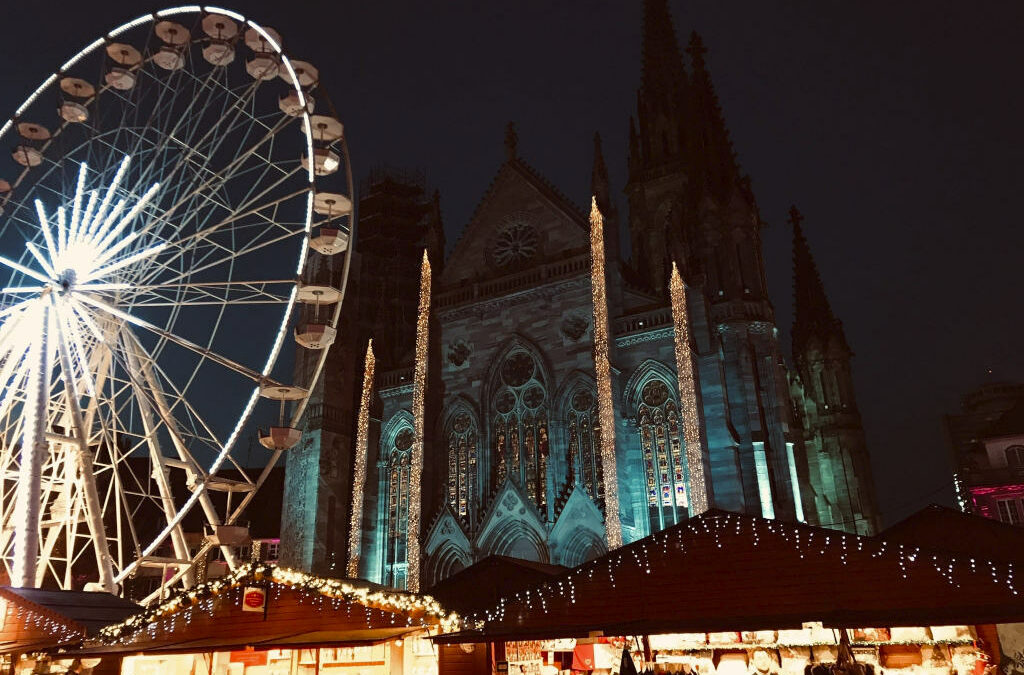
511 449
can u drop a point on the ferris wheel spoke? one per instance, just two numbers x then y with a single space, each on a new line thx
178 340
165 413
148 419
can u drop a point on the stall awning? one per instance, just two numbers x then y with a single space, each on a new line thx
35 619
732 572
265 607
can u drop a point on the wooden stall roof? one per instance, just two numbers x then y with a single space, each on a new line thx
732 572
301 610
486 582
944 529
36 618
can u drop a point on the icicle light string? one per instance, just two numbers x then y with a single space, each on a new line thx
355 532
602 367
424 610
693 430
801 538
412 548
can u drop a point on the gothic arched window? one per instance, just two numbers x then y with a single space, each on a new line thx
584 456
521 427
662 445
397 505
462 445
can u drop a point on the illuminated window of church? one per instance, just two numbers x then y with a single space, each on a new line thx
584 457
397 513
462 443
521 427
662 447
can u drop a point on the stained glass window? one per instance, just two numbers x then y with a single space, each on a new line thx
662 450
397 511
521 427
584 454
461 463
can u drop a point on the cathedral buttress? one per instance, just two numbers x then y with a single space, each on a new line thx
831 421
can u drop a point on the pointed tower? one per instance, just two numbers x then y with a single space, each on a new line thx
600 187
839 466
689 203
657 146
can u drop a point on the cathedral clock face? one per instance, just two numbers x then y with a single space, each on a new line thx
515 243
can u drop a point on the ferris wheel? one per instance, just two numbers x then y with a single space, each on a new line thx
176 208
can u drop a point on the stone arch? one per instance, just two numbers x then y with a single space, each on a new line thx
516 408
400 420
581 546
461 444
642 374
577 437
448 559
514 343
516 539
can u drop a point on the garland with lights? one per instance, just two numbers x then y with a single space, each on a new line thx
412 549
805 539
602 368
693 431
424 610
355 533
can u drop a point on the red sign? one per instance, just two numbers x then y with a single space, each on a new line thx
254 599
249 657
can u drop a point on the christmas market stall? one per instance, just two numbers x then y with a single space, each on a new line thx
732 594
33 620
263 620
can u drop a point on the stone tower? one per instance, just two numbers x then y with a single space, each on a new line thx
690 202
825 402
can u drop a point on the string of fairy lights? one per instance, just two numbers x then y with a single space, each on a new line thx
602 367
393 607
419 388
807 541
693 430
355 530
59 630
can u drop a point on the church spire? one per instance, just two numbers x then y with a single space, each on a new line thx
659 142
662 60
812 313
713 156
511 141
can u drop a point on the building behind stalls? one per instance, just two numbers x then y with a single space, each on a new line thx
512 465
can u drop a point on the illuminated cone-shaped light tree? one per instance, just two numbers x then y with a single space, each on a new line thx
693 431
602 366
419 387
355 532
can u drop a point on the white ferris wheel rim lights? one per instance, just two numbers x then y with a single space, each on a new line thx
91 243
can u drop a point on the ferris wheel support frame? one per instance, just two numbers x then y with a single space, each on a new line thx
30 473
93 507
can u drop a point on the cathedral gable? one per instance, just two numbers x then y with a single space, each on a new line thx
512 527
521 222
578 534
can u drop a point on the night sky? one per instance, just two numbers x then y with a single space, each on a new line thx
895 127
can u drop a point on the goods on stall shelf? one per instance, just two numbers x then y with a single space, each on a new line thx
810 650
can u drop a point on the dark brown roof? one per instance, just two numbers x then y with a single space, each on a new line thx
92 611
944 529
484 583
729 572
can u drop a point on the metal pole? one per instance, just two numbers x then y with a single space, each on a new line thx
33 449
93 506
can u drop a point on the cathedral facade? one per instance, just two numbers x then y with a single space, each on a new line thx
511 449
